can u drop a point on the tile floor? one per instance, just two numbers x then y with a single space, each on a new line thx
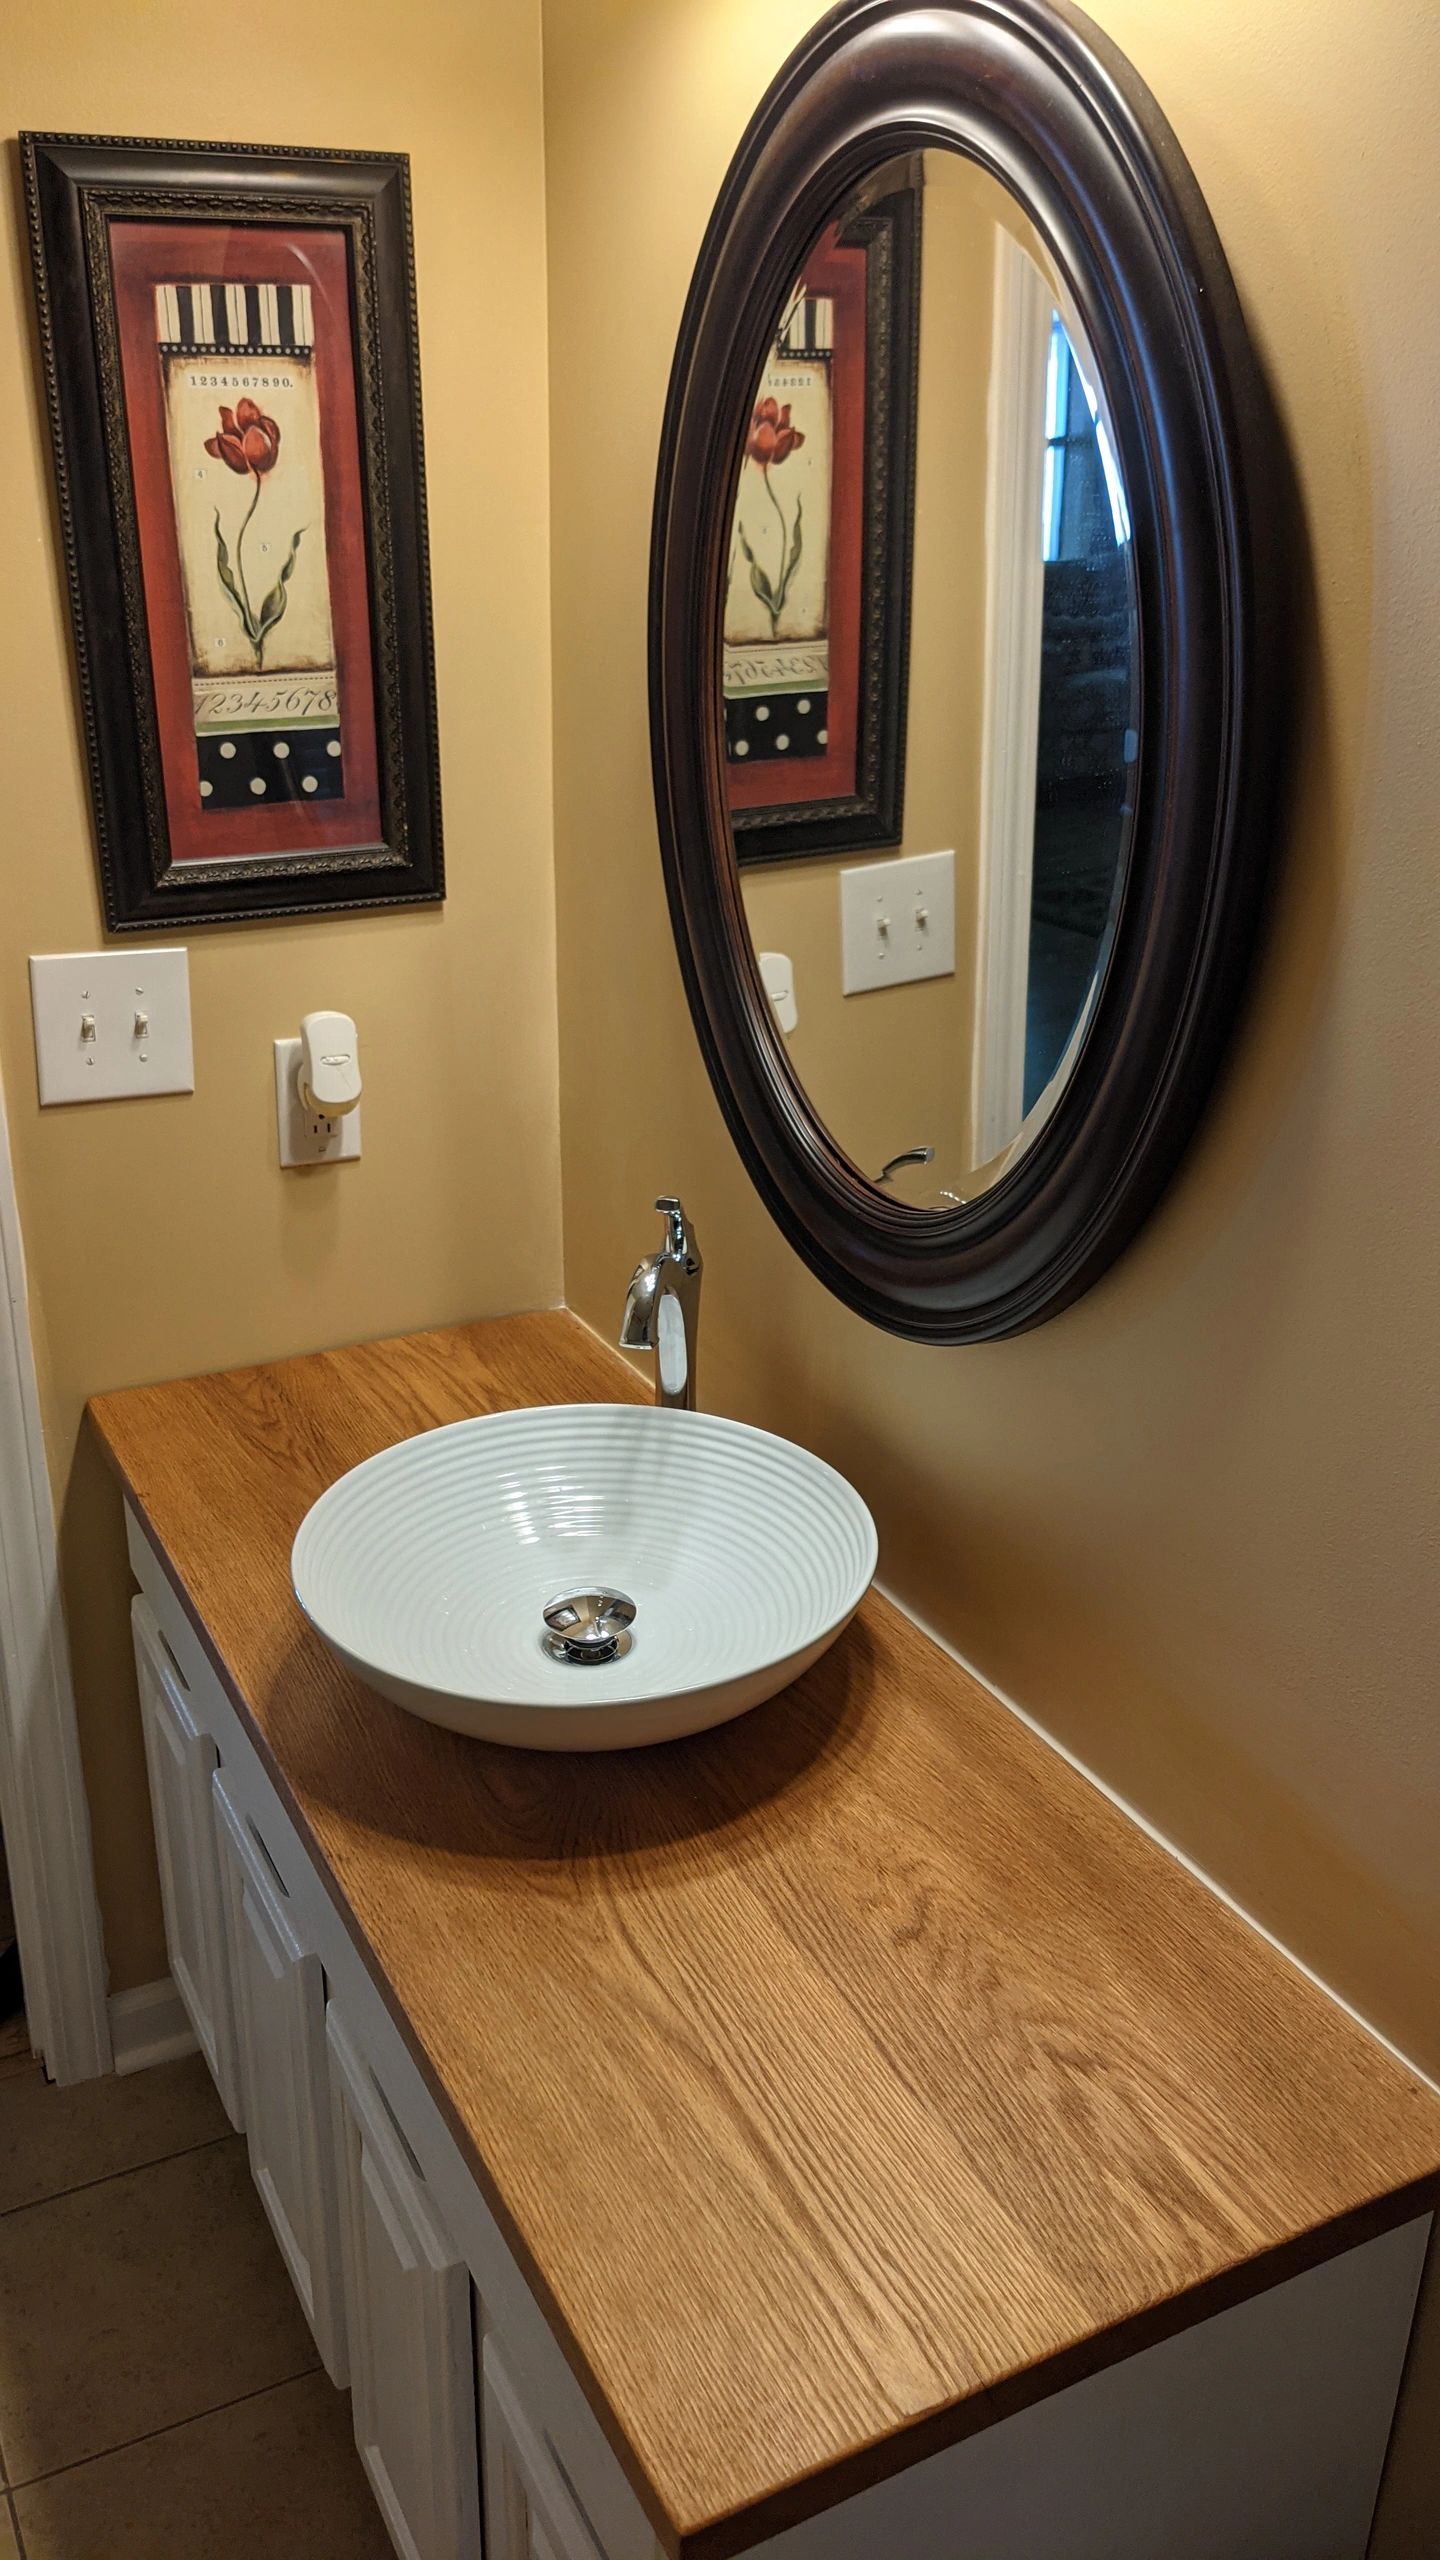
160 2397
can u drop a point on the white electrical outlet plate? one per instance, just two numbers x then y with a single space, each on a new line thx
778 980
110 1023
308 1137
897 922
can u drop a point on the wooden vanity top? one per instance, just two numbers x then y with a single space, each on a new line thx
843 2079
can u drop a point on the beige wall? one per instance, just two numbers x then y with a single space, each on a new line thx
162 1236
891 1068
1192 1524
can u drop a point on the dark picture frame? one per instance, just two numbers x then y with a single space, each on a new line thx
815 762
1045 102
228 345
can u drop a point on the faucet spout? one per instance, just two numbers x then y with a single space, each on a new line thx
637 1326
662 1308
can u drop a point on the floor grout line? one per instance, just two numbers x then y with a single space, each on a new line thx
136 2169
150 2435
15 2525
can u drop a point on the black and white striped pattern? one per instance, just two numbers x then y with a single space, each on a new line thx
807 327
248 319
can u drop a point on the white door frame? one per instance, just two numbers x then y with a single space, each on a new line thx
1014 619
42 1790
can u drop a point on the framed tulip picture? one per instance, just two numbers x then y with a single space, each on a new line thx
228 343
817 601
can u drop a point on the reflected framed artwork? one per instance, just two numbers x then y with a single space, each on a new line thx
817 579
228 344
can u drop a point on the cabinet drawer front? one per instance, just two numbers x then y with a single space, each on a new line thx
181 1759
529 2511
412 2358
280 2022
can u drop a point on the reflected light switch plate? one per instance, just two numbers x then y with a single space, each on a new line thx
897 922
110 1023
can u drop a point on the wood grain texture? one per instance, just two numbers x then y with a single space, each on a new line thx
843 2079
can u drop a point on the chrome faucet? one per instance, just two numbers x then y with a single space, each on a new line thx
662 1308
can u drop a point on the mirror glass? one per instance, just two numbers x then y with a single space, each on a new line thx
930 672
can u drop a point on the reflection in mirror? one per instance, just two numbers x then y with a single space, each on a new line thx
931 650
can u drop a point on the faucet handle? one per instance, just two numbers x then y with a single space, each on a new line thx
679 1236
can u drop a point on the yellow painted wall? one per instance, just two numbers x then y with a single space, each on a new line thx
162 1236
1193 1523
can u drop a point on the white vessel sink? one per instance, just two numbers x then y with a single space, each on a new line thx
429 1570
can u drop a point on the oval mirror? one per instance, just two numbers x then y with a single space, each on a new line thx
967 586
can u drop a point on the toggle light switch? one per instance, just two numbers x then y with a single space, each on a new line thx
897 921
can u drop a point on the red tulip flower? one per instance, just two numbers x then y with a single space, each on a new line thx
248 440
249 443
772 439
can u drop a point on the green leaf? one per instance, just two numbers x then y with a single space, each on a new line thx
797 545
276 601
227 581
762 586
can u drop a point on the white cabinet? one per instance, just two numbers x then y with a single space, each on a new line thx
182 1759
529 2513
408 2317
279 1990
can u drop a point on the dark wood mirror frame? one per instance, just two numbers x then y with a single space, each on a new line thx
1033 92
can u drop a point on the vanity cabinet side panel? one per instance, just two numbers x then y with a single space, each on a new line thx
280 2021
181 1759
408 2319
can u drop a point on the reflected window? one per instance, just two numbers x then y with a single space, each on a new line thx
1082 476
1087 713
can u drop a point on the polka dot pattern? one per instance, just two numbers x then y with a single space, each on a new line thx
792 725
246 765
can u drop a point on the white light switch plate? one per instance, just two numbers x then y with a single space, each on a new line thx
897 922
309 1137
111 1022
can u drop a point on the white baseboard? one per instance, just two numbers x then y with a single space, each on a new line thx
149 2025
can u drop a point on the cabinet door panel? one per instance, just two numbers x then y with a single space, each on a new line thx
529 2512
181 1758
412 2358
280 2019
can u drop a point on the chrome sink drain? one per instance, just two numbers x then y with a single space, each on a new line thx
588 1626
